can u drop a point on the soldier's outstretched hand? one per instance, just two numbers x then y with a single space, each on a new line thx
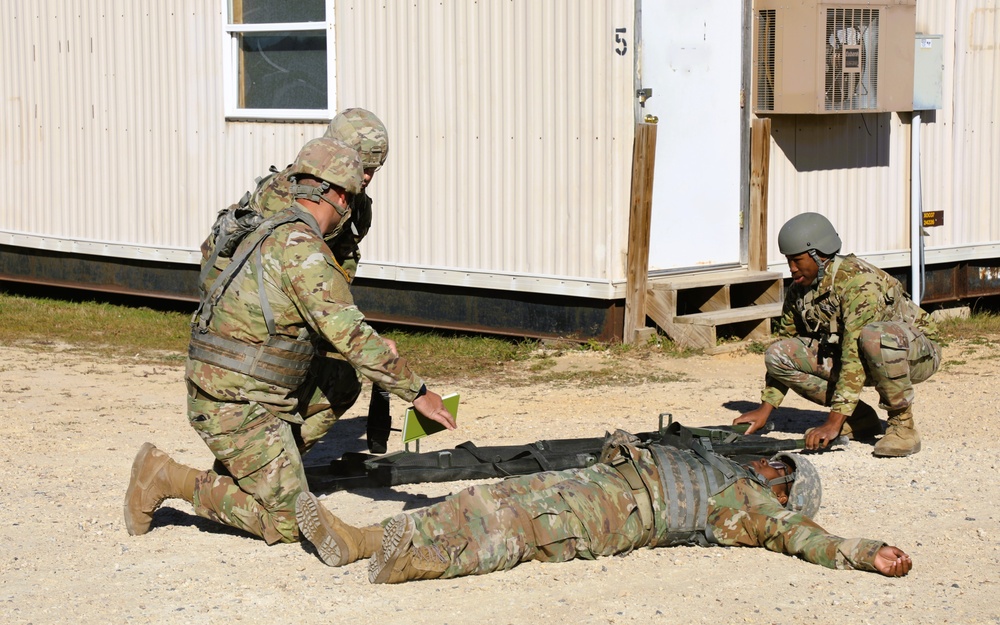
757 418
430 406
892 562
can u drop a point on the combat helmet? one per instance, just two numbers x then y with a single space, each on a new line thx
806 492
808 231
363 130
333 162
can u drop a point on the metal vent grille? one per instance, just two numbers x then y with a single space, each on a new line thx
766 28
851 59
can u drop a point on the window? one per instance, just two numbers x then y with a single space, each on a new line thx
279 59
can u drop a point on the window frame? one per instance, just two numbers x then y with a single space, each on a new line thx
231 67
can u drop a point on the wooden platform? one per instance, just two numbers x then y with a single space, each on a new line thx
696 309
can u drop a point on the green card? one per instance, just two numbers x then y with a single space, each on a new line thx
416 425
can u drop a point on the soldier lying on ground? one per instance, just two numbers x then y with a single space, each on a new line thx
249 368
653 496
846 324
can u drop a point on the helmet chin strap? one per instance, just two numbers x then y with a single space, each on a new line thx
820 263
316 194
341 209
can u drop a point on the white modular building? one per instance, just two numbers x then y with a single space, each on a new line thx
506 203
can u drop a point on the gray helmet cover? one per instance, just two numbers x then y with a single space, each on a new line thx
806 492
808 231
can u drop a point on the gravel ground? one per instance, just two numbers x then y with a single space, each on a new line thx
75 422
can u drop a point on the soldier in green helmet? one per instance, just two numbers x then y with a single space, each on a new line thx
846 324
275 296
638 495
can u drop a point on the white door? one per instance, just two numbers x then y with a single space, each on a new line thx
691 58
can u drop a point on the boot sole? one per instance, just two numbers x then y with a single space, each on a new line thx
893 453
331 549
137 526
396 539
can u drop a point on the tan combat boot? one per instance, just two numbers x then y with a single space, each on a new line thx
862 424
901 437
155 477
397 560
336 542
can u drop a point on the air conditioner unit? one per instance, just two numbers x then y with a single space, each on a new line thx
823 56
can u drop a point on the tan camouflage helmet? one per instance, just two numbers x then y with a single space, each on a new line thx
330 160
365 132
806 492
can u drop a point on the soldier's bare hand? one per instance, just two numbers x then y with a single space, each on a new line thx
757 418
892 562
820 437
431 406
392 346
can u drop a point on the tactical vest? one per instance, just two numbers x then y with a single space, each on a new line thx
687 479
279 361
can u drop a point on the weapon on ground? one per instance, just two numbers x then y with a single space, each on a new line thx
471 462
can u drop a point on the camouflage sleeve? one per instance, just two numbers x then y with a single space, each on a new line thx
321 294
786 324
862 301
774 391
744 516
345 251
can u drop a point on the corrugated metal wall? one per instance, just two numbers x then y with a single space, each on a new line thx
113 140
511 126
856 168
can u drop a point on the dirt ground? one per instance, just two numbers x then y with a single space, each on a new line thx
73 424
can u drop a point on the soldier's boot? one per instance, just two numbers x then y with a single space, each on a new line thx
901 437
864 423
336 542
155 477
397 560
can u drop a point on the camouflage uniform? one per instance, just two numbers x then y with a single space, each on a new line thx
855 328
273 195
256 428
336 385
595 512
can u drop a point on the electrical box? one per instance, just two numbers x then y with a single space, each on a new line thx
824 56
928 72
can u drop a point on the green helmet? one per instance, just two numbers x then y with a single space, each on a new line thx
806 492
330 160
808 231
363 130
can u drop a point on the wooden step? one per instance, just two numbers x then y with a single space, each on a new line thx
732 315
695 309
710 278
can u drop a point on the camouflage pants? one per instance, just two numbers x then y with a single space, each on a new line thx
895 356
553 516
329 391
262 452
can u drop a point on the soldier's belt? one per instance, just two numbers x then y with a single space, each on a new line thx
278 361
640 490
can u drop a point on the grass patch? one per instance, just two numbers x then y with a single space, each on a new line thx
103 328
605 376
453 356
143 334
978 328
